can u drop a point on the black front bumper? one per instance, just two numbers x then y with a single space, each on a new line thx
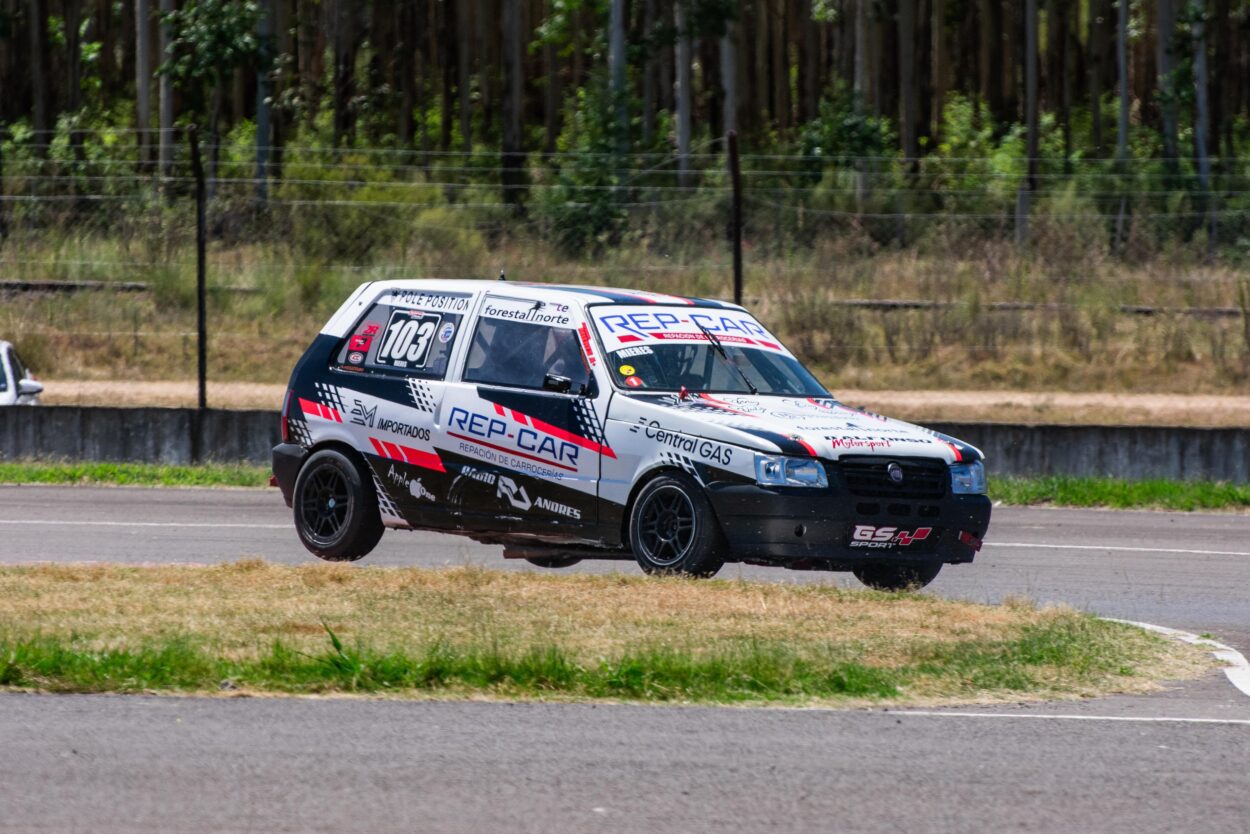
287 460
812 528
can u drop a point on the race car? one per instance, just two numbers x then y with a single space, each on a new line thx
18 386
569 423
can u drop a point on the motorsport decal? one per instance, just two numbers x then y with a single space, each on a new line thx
325 412
439 302
363 415
707 449
414 486
407 454
525 436
871 536
588 350
508 489
527 310
621 326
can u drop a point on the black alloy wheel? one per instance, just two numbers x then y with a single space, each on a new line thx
673 530
336 509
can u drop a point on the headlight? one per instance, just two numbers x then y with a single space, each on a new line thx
773 470
968 478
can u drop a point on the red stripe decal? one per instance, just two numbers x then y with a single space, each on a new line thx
628 338
499 409
318 410
556 431
407 454
510 451
811 450
959 458
723 405
377 446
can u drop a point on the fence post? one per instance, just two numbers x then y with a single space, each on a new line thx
4 229
735 176
197 168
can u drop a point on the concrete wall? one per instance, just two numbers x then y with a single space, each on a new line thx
167 435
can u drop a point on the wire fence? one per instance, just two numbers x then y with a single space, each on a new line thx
973 264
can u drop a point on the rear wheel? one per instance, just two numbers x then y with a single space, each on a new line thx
673 530
336 509
897 576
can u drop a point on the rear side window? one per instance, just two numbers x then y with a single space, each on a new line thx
406 332
4 376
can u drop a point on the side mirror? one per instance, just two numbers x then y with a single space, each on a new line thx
559 384
29 388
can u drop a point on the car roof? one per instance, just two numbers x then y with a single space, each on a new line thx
572 294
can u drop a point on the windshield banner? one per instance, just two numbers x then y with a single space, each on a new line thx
629 327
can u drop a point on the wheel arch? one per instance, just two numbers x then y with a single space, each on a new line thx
646 477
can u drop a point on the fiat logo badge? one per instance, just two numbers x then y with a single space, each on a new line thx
895 472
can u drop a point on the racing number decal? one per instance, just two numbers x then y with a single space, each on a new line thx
408 339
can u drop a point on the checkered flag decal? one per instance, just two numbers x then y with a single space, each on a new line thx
587 419
329 395
682 462
385 503
298 432
421 395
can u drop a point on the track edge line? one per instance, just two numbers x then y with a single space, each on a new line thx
1238 669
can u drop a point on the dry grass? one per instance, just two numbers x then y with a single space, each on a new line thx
240 609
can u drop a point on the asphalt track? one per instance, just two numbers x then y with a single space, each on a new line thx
1174 761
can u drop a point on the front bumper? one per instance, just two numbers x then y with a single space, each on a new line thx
287 460
812 528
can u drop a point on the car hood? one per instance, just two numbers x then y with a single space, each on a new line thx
815 426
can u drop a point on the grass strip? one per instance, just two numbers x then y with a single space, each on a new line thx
133 474
468 632
1068 491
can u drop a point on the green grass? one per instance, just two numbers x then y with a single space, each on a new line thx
1082 650
468 632
1068 491
133 474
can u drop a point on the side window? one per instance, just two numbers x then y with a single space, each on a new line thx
402 334
521 355
4 376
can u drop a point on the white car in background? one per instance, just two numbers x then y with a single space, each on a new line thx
17 385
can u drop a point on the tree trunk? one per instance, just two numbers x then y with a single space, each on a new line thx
683 91
1202 122
552 98
40 75
463 78
616 71
907 79
513 154
1095 49
992 37
166 95
941 64
143 78
809 63
1167 85
648 78
344 71
729 78
1121 57
264 34
1024 198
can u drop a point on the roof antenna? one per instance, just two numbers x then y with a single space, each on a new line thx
502 277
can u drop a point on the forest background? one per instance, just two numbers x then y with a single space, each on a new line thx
1052 194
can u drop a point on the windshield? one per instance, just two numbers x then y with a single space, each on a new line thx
702 349
701 369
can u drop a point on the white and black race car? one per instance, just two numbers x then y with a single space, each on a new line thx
572 422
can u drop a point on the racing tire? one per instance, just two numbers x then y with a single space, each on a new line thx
553 561
897 576
673 530
336 509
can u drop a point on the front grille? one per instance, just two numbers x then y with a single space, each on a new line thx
922 478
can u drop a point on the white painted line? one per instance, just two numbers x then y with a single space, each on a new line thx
1037 716
1120 548
1238 668
206 525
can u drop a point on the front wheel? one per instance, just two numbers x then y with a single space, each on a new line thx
336 509
897 576
673 530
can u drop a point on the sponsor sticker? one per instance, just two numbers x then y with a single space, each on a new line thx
638 326
634 382
642 350
627 370
874 537
446 333
356 357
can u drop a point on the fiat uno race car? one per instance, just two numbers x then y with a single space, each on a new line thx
572 422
